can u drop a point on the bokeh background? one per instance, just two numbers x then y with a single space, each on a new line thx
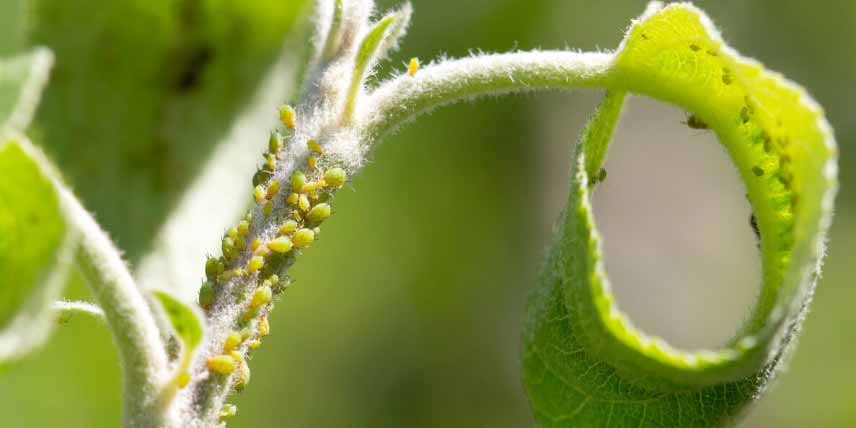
408 311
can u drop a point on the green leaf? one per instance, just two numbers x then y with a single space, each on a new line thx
185 321
22 79
36 247
585 364
172 77
220 192
382 37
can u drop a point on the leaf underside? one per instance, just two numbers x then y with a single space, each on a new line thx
585 364
35 249
35 242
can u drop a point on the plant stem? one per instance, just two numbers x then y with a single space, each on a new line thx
142 354
71 308
391 105
400 100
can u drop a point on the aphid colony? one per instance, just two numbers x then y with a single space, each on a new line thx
307 206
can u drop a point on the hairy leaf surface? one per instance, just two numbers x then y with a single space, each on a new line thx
585 363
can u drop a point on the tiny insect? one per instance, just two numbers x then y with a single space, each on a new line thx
413 67
753 223
695 122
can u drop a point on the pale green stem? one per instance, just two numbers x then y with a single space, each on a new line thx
67 309
142 354
402 99
335 33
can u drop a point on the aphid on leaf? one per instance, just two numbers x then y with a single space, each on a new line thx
601 176
695 122
753 223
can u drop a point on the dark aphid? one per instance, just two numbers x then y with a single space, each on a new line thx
753 222
695 122
601 176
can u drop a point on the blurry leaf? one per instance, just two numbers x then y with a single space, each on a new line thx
35 249
35 244
22 79
221 191
142 92
585 363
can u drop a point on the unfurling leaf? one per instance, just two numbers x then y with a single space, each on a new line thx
585 363
187 326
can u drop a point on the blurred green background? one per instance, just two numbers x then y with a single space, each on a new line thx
408 311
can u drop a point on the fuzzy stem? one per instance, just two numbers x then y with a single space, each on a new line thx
391 105
400 100
67 309
144 360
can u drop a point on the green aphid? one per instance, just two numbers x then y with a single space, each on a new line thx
206 294
270 162
243 377
753 223
228 247
228 411
601 175
243 228
261 176
213 267
298 179
275 143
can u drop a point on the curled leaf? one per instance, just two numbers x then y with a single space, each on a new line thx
583 357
